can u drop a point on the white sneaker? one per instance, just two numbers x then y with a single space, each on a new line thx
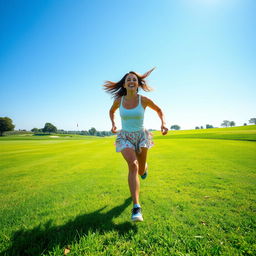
136 214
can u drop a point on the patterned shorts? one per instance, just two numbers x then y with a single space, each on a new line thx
134 140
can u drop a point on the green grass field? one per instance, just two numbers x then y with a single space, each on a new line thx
71 193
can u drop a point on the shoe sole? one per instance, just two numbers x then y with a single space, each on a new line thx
137 219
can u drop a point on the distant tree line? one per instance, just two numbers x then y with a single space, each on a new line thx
252 121
7 125
175 127
90 132
50 128
227 123
208 126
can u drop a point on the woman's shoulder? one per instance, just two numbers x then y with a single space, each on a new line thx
144 101
117 101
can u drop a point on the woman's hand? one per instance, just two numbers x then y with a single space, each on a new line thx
114 129
164 130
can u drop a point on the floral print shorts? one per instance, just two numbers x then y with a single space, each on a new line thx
134 140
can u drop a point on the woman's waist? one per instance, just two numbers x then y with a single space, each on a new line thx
133 129
132 125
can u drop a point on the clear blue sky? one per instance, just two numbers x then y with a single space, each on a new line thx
55 55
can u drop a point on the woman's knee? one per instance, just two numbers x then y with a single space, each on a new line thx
133 165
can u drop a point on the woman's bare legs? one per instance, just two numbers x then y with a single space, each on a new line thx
142 159
133 179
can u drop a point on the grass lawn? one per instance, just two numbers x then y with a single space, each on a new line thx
70 194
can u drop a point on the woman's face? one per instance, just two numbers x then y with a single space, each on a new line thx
131 82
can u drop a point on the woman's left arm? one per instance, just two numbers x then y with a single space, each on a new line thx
152 105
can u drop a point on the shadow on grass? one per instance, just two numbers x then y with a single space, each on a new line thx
45 237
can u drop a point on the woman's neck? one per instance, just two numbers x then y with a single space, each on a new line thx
131 95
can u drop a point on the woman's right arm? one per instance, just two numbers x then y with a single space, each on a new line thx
112 111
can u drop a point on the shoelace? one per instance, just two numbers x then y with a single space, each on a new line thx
136 210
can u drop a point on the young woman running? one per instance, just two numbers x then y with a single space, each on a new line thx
133 141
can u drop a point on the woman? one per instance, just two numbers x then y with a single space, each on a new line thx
133 141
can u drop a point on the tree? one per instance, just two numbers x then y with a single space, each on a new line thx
245 124
84 133
225 123
232 123
48 127
209 126
98 133
197 127
6 125
34 130
175 127
92 131
104 133
202 127
252 120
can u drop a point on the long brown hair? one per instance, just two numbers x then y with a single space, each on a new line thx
117 88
